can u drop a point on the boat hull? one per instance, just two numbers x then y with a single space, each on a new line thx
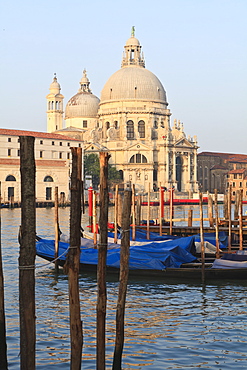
191 273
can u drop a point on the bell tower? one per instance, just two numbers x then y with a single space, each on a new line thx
54 107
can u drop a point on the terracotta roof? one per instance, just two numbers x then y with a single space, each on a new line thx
219 167
229 157
39 162
240 170
44 135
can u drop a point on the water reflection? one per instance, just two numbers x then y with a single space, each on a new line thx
168 325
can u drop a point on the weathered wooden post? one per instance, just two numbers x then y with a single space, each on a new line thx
3 343
27 254
138 209
236 205
210 210
102 253
72 263
202 238
241 219
120 207
116 214
161 209
133 213
56 227
148 214
216 224
90 207
190 217
171 209
123 282
230 218
94 219
226 207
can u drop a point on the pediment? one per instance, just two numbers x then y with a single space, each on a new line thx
95 147
138 147
184 143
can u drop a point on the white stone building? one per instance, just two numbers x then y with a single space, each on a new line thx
53 162
132 122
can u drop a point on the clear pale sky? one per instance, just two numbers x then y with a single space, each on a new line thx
197 48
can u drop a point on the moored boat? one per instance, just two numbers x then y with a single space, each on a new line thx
168 259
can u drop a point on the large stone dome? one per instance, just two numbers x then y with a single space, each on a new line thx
133 83
82 104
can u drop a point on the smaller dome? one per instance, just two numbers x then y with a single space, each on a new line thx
132 41
55 86
83 104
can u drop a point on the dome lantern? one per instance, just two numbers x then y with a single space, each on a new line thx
84 83
132 52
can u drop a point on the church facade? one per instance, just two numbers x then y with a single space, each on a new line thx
131 121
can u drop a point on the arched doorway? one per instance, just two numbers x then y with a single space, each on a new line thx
179 173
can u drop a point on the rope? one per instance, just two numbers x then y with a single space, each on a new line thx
32 267
123 231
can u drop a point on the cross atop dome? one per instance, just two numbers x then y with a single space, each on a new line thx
132 55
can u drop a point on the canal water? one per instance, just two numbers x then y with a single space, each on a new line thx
168 325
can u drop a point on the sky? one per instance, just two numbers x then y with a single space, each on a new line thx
197 49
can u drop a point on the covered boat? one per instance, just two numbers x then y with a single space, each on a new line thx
172 258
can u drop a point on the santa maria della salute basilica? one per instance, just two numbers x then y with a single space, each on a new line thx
131 121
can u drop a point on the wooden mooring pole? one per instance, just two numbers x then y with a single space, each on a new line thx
3 343
161 209
230 218
133 213
123 281
27 255
116 214
56 228
102 252
94 219
216 224
190 217
171 209
148 214
241 220
202 238
210 210
72 263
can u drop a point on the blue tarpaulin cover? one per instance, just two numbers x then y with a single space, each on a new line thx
150 254
171 253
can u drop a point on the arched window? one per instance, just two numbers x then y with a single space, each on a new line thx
130 130
141 129
138 158
10 178
121 174
48 179
107 125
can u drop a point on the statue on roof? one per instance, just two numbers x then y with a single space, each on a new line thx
133 31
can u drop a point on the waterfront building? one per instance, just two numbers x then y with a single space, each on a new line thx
218 170
52 159
131 121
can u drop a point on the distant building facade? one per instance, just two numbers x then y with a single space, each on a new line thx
53 164
131 121
217 170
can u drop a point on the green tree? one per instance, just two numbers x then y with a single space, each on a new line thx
92 168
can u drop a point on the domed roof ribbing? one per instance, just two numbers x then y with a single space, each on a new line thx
84 103
133 81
